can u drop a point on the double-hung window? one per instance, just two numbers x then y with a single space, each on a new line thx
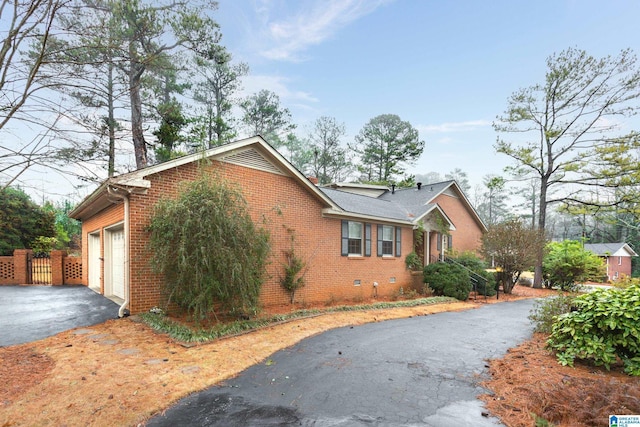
389 241
356 238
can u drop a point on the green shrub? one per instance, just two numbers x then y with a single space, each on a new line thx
449 280
545 311
413 261
487 280
43 245
605 326
625 281
209 250
567 264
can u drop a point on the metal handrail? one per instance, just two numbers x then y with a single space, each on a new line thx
473 276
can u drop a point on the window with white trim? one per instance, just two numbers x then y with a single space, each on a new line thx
356 238
389 241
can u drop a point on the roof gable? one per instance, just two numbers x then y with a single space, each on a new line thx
251 158
252 152
418 201
610 249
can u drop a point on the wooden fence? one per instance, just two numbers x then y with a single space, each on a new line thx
23 269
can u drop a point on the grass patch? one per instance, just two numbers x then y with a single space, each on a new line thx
184 333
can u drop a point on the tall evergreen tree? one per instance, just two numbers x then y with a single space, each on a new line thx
220 80
263 115
385 145
330 160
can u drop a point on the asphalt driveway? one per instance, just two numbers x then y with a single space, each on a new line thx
421 371
30 313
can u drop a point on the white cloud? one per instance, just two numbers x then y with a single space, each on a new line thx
277 84
311 25
444 141
454 126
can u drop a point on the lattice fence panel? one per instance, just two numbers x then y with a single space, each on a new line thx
6 269
72 270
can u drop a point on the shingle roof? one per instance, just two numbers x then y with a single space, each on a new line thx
403 204
416 202
365 205
604 249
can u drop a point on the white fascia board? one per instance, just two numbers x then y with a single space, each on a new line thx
452 227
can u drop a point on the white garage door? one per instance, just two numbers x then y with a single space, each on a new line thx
117 263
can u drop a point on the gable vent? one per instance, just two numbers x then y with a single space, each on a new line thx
251 158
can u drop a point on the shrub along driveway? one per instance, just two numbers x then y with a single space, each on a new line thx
30 313
416 371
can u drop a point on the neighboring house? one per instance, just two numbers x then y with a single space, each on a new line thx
354 238
616 255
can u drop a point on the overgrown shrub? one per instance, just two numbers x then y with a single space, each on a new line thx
449 280
413 261
604 326
209 250
545 311
487 280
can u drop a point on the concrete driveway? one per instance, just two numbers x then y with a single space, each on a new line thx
422 371
30 313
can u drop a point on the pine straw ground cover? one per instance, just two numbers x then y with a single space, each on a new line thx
121 372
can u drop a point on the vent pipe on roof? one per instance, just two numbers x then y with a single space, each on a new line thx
393 189
419 185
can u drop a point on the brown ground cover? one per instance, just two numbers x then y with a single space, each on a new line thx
121 373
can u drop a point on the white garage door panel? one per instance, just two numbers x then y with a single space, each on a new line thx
94 262
117 263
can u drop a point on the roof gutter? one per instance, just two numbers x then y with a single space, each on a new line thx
333 213
114 191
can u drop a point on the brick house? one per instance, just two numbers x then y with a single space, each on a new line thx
351 236
617 257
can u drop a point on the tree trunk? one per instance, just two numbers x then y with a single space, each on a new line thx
111 123
137 132
542 220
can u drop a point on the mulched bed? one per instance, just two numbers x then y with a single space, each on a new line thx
21 368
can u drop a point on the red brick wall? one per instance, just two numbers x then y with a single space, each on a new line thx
7 271
467 235
623 268
283 202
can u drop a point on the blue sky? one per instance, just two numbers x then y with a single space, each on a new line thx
447 67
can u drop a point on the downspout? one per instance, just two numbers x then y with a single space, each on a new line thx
125 198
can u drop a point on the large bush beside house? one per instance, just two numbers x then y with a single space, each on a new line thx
209 250
603 327
449 280
567 263
486 281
